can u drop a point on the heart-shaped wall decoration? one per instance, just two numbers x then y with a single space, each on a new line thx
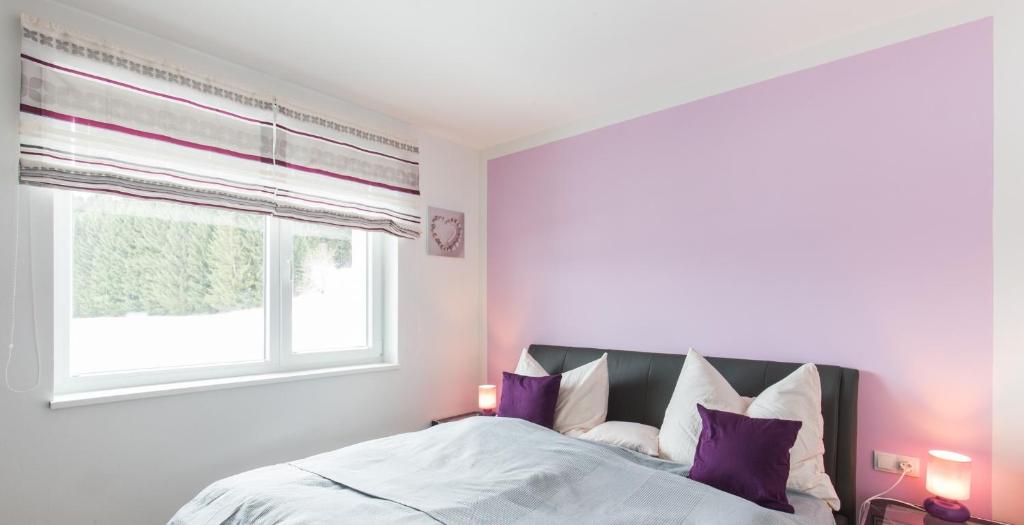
446 232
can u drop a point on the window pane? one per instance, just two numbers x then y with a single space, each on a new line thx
160 285
329 289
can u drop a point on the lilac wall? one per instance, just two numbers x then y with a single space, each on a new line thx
841 215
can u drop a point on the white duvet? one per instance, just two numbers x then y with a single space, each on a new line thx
480 470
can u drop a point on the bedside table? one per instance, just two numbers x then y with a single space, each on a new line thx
434 422
885 511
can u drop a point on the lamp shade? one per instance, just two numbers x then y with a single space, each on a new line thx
488 398
949 475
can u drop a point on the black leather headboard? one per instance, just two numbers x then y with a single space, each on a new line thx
642 384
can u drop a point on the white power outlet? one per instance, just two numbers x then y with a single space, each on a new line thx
889 462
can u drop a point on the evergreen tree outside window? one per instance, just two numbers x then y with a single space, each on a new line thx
156 291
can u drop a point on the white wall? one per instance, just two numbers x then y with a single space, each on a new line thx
135 462
1008 245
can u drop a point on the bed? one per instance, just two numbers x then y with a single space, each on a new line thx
503 470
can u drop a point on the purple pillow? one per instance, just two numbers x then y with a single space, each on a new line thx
745 456
529 398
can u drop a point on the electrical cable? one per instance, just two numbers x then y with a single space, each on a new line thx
862 511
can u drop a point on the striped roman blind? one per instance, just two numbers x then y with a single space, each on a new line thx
95 118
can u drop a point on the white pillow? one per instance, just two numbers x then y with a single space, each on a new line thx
582 394
796 397
634 436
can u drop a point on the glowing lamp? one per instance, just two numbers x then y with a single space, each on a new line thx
488 399
949 479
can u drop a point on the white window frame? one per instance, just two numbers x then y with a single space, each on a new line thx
374 299
278 357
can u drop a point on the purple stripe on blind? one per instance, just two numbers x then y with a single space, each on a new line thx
347 145
393 214
137 170
208 108
159 197
204 147
352 223
408 234
268 191
143 90
341 176
139 133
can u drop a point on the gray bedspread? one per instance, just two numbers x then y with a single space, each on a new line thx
480 470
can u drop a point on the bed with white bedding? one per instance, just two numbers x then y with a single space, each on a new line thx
480 470
507 470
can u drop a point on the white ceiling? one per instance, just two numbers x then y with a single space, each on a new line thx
485 72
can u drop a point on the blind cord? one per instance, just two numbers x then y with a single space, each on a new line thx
273 144
14 305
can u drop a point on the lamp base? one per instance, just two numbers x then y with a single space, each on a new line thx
947 509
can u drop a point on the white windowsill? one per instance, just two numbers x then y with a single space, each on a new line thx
167 389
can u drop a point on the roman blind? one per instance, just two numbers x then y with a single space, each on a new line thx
96 118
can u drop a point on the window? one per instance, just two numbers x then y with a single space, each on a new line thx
151 292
